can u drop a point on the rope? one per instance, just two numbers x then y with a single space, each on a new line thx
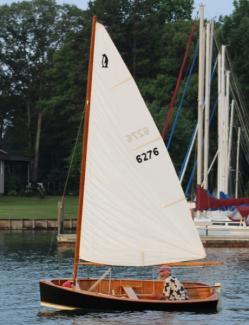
72 159
240 107
178 83
180 107
187 155
190 181
194 134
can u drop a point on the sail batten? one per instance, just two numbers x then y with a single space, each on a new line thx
129 176
121 82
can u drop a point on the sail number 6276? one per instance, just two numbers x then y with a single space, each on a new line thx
147 155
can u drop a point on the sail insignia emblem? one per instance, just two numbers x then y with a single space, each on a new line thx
105 61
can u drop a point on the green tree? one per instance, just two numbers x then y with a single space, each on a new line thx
233 32
45 59
31 31
66 77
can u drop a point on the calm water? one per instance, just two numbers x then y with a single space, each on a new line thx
26 257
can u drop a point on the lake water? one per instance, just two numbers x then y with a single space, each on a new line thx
27 257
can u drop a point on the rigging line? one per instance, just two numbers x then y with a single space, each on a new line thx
52 240
190 181
72 159
216 42
242 114
244 149
244 146
234 77
235 80
242 120
189 184
241 111
213 161
180 107
194 133
188 153
53 236
191 144
178 83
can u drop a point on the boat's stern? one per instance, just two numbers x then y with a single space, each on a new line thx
218 290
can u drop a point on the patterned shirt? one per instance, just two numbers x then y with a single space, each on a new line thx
174 290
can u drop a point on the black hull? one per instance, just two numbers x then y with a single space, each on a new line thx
63 298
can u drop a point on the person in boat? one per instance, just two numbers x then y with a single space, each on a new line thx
67 284
173 288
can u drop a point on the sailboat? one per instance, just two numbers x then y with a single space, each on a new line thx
132 210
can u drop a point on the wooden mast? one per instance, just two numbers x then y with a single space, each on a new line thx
84 149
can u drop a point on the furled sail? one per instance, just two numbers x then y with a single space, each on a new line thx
134 210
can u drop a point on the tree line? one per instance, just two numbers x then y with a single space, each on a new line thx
44 56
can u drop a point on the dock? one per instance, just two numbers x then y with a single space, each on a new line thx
66 239
36 224
214 241
208 241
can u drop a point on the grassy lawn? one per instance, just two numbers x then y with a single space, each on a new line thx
33 207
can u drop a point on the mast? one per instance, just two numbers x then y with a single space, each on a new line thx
222 145
223 114
200 95
207 105
219 126
84 149
230 139
227 109
237 166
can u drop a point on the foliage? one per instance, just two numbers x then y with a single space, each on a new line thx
233 32
44 56
31 31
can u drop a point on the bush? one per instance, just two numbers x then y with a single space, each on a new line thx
10 185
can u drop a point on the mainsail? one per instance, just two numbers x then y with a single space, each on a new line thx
134 209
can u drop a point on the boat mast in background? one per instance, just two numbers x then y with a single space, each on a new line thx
200 95
237 165
209 51
230 139
222 125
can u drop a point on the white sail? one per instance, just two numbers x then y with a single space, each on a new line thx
134 209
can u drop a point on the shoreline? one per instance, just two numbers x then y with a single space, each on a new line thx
35 224
69 239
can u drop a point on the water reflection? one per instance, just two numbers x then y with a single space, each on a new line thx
26 257
130 318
